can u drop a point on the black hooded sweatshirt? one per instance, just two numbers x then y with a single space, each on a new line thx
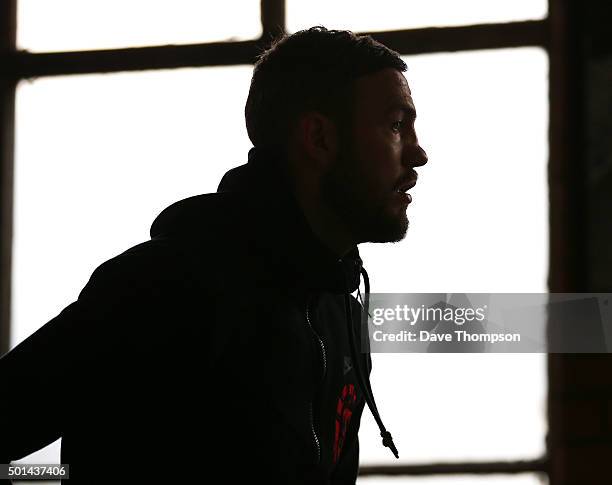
223 350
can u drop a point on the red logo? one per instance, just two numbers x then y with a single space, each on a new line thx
344 411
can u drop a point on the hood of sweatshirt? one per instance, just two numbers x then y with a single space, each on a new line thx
271 215
255 199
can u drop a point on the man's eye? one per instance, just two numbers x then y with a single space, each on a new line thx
397 126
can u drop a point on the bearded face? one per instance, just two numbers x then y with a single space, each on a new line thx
372 215
368 183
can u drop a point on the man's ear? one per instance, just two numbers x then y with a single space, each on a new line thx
318 137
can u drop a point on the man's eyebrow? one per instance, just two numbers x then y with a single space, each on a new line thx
407 109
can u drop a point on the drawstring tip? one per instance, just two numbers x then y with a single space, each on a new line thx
388 442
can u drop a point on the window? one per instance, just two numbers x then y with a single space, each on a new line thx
365 16
521 479
73 25
111 152
136 142
478 223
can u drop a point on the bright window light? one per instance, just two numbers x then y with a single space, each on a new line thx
368 16
99 156
72 25
519 479
478 223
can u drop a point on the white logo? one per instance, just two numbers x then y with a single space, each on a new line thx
348 365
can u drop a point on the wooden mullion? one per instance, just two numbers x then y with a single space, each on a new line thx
23 64
273 21
479 468
8 23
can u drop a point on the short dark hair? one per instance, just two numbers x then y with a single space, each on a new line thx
310 69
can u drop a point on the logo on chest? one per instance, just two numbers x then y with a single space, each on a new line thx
344 411
348 365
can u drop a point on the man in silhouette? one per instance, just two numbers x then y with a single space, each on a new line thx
226 346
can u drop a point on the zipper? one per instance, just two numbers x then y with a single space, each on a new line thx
314 433
324 356
321 344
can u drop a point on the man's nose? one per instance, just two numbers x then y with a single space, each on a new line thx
422 158
415 156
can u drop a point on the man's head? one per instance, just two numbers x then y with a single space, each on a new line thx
338 106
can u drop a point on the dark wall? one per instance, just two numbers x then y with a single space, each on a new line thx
596 50
580 395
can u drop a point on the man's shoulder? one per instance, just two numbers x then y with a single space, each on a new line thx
204 215
147 263
204 237
191 236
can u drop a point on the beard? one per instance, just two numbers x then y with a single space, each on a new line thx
344 190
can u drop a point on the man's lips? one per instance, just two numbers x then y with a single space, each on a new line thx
407 185
403 197
404 187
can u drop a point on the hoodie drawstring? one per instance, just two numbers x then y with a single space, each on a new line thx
362 379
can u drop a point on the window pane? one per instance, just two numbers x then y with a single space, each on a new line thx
107 24
521 479
97 158
368 16
478 223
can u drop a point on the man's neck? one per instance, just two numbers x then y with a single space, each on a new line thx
323 222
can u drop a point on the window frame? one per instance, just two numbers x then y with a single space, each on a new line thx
566 200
